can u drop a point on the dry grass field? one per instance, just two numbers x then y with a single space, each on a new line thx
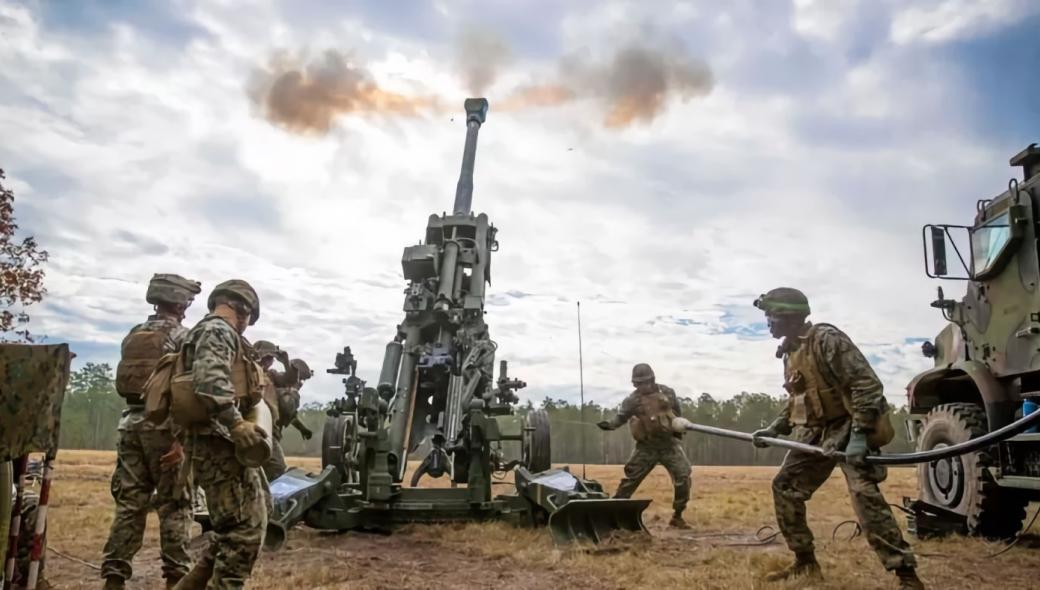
734 501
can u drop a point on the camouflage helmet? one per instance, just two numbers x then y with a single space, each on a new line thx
783 301
171 289
265 348
642 373
302 368
241 291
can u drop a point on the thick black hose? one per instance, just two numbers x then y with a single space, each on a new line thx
969 446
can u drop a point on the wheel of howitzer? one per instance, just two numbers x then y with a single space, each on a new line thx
535 448
339 446
963 484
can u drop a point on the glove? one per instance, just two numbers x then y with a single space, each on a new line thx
306 433
172 458
856 450
768 432
605 425
246 435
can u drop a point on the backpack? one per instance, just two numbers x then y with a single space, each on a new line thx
157 389
141 351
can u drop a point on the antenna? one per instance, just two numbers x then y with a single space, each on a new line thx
581 389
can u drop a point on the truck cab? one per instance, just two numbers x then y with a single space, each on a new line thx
987 358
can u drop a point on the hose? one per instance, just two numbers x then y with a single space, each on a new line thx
969 446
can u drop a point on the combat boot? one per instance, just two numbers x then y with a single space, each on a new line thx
197 577
908 579
114 583
677 521
805 564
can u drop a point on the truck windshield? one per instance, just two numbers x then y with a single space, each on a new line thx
988 241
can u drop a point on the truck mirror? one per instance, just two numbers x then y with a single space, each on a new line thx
941 241
939 251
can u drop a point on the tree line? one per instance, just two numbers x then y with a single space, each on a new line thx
92 409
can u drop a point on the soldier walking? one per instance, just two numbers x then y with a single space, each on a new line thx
148 454
649 411
836 402
223 377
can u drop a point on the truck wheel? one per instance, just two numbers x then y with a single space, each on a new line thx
535 447
963 484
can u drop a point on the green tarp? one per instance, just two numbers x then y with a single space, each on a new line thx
32 387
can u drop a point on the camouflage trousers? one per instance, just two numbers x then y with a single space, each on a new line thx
237 509
136 477
802 474
276 466
643 460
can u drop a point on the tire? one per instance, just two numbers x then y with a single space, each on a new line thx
337 446
963 484
536 449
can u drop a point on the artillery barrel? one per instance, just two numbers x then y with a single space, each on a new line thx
476 113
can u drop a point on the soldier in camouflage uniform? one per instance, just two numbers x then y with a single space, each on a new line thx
148 454
217 357
649 411
836 402
284 401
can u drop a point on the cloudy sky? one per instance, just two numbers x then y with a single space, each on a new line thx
795 143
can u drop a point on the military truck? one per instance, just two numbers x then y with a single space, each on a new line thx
987 360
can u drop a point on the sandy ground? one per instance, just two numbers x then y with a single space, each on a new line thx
729 506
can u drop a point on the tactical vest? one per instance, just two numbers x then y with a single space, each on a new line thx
813 401
247 379
141 352
653 417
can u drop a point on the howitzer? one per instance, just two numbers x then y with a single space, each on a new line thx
437 380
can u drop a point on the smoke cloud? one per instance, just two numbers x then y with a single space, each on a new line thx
308 98
480 56
633 85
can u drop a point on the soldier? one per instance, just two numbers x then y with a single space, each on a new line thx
289 401
283 396
149 454
287 396
649 411
836 402
222 373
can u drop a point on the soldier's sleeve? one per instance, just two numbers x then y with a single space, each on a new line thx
211 371
174 339
849 369
626 411
674 399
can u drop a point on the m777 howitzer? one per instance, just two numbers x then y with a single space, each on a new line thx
436 383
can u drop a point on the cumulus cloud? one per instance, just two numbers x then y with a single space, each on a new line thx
938 21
